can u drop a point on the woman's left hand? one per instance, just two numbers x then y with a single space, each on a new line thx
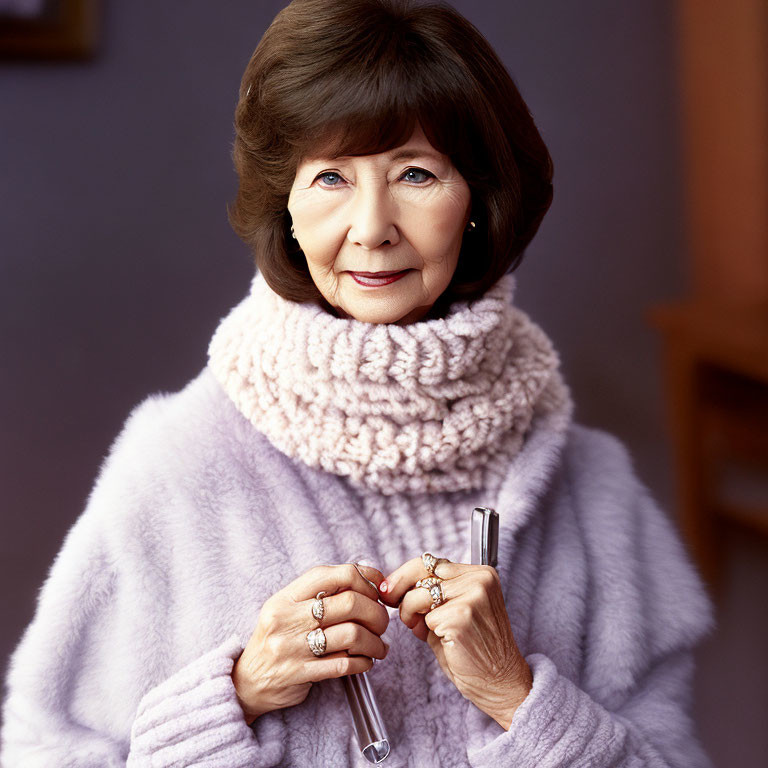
469 633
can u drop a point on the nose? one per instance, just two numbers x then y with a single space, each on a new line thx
372 216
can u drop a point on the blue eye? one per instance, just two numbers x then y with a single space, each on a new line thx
335 177
424 173
329 173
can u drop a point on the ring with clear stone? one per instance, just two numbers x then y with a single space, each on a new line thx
430 561
434 586
317 642
318 607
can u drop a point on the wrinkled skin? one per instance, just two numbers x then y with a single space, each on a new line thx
469 633
277 668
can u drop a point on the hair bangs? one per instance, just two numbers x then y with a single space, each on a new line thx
377 108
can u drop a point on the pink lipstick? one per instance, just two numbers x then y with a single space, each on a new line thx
375 279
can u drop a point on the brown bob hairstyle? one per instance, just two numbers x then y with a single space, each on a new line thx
352 77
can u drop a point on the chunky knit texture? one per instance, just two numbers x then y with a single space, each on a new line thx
418 408
197 517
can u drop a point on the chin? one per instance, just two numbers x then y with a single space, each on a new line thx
376 317
380 315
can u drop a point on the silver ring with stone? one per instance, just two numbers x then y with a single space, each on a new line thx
430 561
318 607
434 586
437 595
317 642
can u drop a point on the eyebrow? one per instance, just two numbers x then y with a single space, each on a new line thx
410 154
402 154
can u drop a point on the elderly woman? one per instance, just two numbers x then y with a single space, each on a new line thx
375 385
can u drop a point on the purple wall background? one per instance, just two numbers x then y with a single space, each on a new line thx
117 259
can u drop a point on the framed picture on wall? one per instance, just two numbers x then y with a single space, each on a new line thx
48 29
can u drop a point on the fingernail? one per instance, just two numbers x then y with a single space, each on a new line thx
383 587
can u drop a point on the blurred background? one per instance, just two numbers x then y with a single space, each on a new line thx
650 272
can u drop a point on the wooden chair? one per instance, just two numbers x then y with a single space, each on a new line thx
715 343
716 371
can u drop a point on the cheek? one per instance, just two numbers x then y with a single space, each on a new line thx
445 208
315 232
308 209
319 252
436 230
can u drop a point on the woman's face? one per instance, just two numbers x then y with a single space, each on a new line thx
405 209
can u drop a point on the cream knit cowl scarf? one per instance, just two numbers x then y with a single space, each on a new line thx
425 407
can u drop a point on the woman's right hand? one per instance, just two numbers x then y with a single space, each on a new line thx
277 668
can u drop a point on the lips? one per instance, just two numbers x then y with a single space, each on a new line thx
380 274
378 279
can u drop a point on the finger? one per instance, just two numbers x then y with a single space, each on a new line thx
401 580
331 665
405 577
360 566
437 644
447 569
350 605
438 620
334 578
420 629
355 639
448 621
416 602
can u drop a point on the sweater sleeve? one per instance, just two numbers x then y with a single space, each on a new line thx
68 702
194 717
647 610
559 724
94 683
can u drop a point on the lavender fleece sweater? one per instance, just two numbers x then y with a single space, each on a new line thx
196 518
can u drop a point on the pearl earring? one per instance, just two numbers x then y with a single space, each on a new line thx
470 227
